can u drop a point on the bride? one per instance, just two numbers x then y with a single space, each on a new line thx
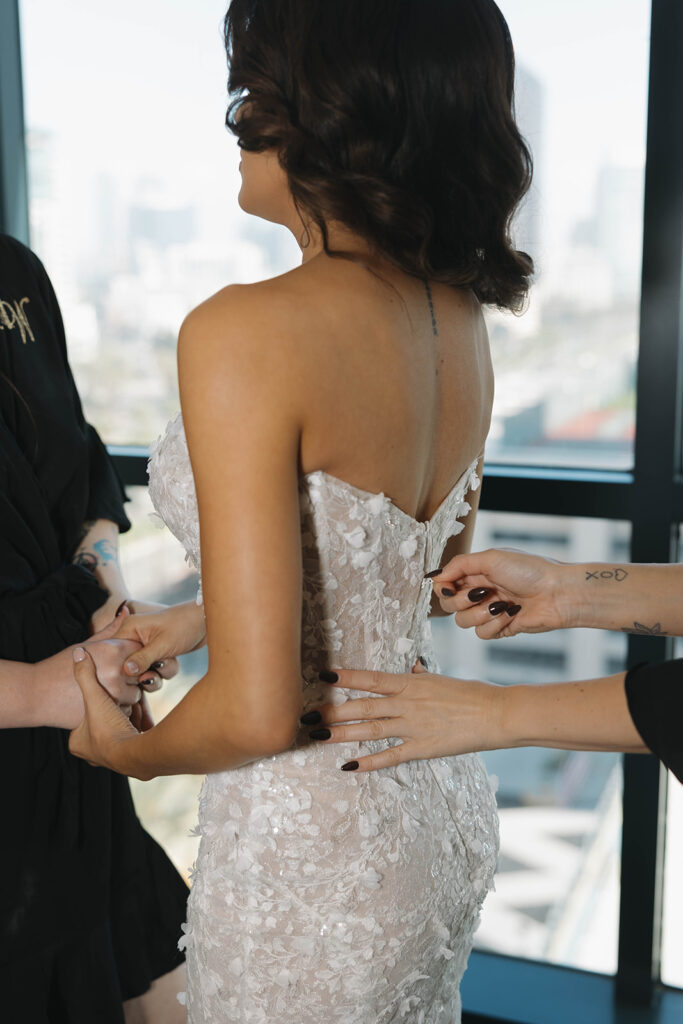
335 419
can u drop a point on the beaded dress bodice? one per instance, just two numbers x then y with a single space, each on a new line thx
320 893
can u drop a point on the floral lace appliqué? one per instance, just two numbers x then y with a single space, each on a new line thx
317 894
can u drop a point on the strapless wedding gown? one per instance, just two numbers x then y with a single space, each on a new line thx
319 895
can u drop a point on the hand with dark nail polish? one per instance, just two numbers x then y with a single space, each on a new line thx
447 592
497 607
478 594
320 734
432 574
513 609
350 766
328 677
311 718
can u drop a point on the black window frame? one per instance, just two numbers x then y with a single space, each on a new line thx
497 988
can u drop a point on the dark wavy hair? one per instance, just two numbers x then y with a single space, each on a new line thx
394 118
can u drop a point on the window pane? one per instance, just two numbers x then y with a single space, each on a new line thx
565 369
133 182
557 887
154 567
672 961
672 922
133 185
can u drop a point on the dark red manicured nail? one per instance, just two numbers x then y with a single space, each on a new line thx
497 607
447 592
478 594
514 608
423 662
320 734
350 766
432 574
328 677
311 718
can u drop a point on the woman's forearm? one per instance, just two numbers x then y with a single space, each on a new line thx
643 599
589 715
44 694
98 551
205 733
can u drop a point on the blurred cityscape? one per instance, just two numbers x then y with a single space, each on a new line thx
149 253
130 254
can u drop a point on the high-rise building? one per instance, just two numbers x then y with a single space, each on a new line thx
529 113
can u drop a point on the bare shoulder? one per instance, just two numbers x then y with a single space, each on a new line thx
248 338
247 321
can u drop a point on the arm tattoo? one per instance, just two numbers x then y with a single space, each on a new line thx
84 531
641 630
86 560
607 574
106 550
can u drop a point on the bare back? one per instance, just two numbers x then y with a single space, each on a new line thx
400 401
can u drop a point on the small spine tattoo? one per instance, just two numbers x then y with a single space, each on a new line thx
607 574
435 328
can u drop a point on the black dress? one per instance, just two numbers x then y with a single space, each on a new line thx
655 699
90 905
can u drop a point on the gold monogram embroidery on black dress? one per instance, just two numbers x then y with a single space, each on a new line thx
13 317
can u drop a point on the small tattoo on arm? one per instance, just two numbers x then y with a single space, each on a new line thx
607 574
106 550
86 560
84 531
640 630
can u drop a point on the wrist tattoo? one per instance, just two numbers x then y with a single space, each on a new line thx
607 574
640 630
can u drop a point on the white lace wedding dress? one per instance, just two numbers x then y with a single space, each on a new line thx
319 895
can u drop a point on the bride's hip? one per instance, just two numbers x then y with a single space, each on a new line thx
300 804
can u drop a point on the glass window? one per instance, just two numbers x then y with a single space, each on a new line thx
565 368
133 209
557 887
672 925
133 182
672 911
154 568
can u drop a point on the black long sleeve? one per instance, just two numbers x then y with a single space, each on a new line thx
655 700
55 473
74 857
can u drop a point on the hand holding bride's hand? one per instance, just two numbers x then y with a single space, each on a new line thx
111 608
163 635
434 716
503 592
153 679
104 731
107 657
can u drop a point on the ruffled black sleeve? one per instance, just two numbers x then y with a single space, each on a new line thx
55 473
106 493
655 700
56 613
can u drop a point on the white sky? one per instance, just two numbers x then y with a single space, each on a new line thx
138 87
